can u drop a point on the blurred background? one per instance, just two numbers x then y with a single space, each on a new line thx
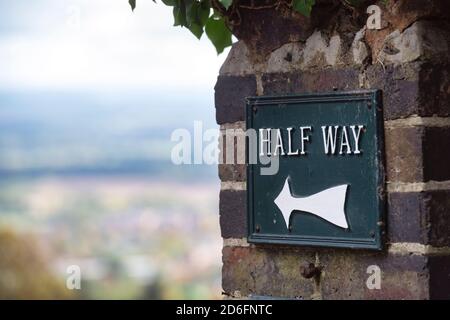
89 96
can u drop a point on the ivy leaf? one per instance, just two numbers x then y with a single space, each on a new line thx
218 33
303 6
192 12
226 3
196 30
195 16
179 14
132 4
203 13
169 3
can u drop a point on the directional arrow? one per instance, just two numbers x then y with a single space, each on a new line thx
327 204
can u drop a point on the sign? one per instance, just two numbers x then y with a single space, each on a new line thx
318 177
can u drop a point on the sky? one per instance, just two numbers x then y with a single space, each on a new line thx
101 45
77 73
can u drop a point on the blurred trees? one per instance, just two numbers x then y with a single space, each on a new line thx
25 272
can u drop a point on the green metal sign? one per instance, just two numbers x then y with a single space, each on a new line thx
315 170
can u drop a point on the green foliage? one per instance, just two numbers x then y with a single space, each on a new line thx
218 33
303 6
226 3
132 4
201 16
197 14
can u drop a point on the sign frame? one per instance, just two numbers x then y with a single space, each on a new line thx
373 100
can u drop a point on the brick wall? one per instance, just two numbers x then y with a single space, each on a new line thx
280 52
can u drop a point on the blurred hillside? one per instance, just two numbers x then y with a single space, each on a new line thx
24 270
87 133
86 179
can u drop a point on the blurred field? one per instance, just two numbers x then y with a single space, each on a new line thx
132 238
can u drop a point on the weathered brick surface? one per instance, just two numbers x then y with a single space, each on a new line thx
436 153
400 86
275 271
232 172
406 220
403 148
416 154
419 217
437 206
272 25
345 275
266 271
233 213
230 94
416 88
439 277
319 81
434 86
236 170
401 15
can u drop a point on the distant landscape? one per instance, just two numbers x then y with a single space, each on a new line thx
98 133
86 179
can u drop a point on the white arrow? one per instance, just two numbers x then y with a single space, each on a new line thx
327 204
